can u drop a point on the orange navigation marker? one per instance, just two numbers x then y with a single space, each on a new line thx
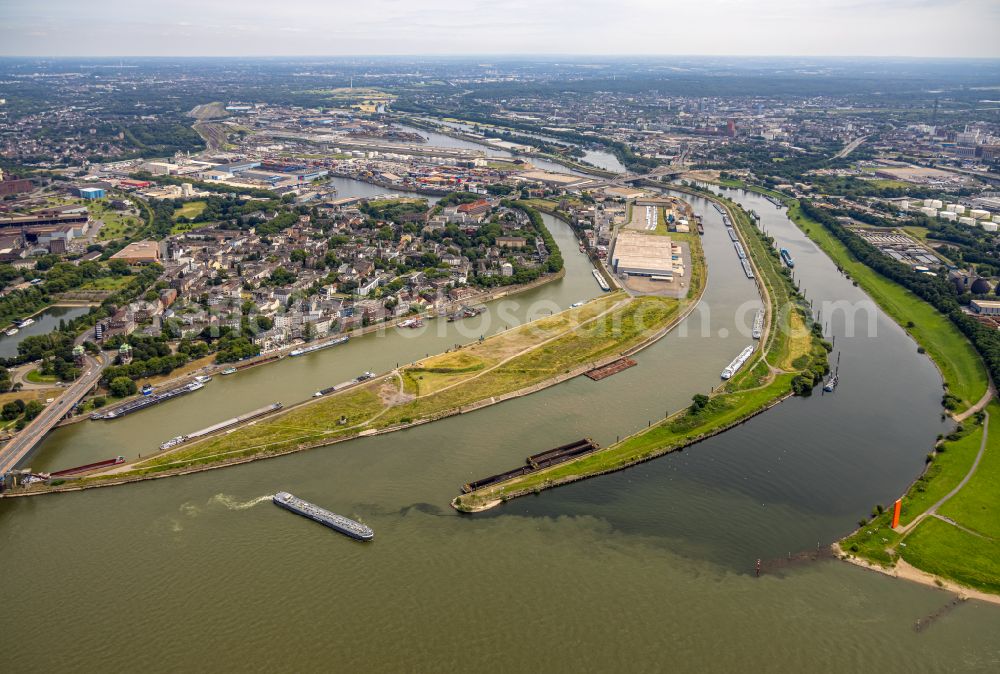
895 513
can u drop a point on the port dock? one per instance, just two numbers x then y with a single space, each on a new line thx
538 461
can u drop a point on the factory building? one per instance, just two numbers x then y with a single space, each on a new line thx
643 255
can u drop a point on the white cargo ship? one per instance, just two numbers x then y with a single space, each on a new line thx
738 362
319 346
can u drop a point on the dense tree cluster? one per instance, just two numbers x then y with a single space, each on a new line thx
933 289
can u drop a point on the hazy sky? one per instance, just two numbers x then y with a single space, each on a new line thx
340 27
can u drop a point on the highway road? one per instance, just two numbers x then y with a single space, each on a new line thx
850 147
21 445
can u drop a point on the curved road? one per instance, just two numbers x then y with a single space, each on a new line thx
17 449
932 511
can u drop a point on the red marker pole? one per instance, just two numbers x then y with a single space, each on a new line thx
895 513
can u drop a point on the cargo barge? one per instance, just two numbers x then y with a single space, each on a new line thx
737 363
538 461
339 523
739 250
719 208
319 346
86 468
148 401
732 234
758 324
221 426
599 373
600 280
747 269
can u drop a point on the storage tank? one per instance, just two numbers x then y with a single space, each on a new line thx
965 220
990 226
980 287
979 214
956 208
948 215
929 212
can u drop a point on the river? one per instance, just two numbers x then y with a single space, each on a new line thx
45 322
441 140
651 566
599 158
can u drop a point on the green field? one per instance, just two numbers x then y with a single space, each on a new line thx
952 461
190 209
961 367
106 283
945 550
117 224
36 377
977 506
965 550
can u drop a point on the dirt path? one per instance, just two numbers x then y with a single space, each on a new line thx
968 476
980 405
531 348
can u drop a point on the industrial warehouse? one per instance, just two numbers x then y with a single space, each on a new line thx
644 255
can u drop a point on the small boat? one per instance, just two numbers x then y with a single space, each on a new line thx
229 370
364 376
26 322
576 304
11 332
832 382
203 379
147 390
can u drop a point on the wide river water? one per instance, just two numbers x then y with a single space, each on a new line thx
650 569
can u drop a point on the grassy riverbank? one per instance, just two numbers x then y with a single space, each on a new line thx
960 541
515 362
961 367
789 343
